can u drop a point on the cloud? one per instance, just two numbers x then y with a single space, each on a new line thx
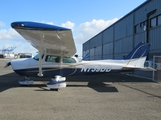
25 47
68 24
87 30
50 23
9 35
2 24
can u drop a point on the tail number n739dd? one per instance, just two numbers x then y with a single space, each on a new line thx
95 68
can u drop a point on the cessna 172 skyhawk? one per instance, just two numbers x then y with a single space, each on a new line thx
55 59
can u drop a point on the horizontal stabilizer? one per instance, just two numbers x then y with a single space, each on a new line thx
148 69
137 68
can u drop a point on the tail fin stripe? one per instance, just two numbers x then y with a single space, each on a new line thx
138 49
138 58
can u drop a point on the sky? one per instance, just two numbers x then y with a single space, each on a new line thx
86 18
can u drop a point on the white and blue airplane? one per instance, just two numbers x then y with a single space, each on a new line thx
56 58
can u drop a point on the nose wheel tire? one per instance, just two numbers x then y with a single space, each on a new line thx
26 81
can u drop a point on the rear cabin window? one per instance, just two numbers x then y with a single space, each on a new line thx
69 60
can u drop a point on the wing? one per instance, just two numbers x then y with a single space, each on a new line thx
49 38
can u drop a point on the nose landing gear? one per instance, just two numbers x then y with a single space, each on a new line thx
26 81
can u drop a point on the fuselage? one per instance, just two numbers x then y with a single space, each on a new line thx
66 66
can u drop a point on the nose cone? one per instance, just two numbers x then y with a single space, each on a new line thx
19 63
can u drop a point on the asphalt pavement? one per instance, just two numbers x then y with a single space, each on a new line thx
93 97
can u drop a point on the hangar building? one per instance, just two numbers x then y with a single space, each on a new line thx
141 24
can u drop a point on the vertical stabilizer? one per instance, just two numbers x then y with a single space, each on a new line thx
137 56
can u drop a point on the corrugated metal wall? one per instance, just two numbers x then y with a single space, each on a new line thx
120 38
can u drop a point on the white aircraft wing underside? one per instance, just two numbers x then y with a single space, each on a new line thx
59 43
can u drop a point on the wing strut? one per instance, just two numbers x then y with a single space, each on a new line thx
40 74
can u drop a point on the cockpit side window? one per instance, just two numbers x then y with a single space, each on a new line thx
51 58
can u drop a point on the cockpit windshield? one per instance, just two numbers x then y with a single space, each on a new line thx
36 57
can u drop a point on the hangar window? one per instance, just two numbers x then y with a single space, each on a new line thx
142 24
153 22
136 28
159 20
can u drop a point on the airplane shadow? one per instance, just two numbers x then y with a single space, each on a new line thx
100 83
104 82
99 87
8 81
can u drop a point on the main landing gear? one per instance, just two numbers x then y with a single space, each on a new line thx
55 84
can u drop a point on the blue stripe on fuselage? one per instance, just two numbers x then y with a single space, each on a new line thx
47 72
52 72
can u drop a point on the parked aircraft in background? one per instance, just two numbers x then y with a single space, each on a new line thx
56 58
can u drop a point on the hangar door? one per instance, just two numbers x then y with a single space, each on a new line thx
157 66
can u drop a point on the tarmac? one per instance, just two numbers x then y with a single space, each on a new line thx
93 97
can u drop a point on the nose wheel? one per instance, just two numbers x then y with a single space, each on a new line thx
26 81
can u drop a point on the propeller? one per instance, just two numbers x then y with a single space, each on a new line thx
7 64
